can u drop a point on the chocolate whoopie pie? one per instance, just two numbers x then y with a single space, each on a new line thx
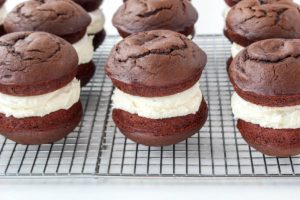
96 28
138 16
63 18
266 77
254 20
39 94
157 100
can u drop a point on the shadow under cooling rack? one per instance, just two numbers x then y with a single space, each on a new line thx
96 148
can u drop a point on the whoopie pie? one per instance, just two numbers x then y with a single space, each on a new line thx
138 16
63 18
254 20
157 100
96 28
266 80
39 94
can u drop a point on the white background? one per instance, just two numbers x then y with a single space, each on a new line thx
210 22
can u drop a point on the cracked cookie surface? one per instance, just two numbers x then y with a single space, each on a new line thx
144 15
268 72
254 20
33 63
59 17
155 63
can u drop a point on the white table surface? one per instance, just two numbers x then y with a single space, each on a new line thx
210 22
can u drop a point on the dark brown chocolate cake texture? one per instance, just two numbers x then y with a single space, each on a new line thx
138 16
63 18
39 94
157 100
266 77
254 20
96 28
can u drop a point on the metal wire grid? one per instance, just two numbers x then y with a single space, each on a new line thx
97 148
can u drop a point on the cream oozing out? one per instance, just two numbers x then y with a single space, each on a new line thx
3 14
97 23
40 105
180 104
236 49
85 49
9 5
264 116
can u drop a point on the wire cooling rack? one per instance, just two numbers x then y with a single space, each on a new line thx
96 148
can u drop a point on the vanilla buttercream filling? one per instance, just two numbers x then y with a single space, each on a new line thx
3 14
97 23
40 105
180 104
85 49
267 117
236 49
9 5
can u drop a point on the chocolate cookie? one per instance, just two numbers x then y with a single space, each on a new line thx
160 132
151 57
63 18
60 17
273 142
137 16
265 77
85 72
30 63
41 130
267 73
154 71
254 20
36 73
98 39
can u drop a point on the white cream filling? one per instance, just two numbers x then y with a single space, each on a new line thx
84 49
11 4
3 14
236 49
180 104
97 23
40 105
267 117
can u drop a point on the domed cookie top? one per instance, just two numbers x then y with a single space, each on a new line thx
89 5
144 15
155 63
254 20
60 17
268 72
35 63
